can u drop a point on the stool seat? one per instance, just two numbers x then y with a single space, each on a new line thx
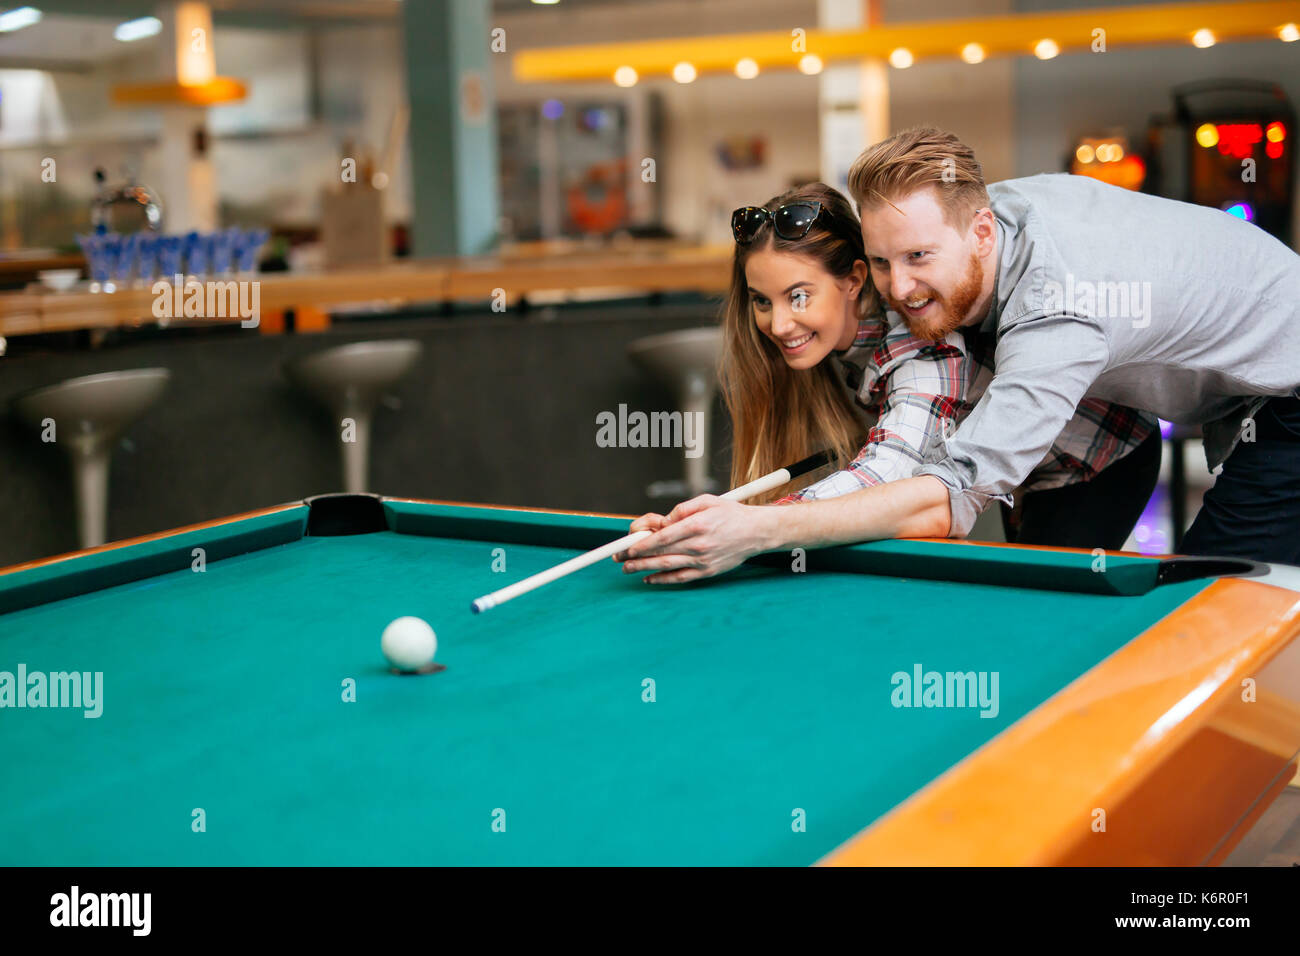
90 414
349 380
676 356
687 363
103 404
361 370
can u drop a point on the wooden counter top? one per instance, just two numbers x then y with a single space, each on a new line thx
660 269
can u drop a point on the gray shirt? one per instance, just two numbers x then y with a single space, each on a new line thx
1180 310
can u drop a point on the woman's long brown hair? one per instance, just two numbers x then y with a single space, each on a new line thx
778 415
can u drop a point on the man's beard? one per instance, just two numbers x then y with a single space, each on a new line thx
948 312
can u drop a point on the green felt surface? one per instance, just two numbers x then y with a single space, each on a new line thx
223 691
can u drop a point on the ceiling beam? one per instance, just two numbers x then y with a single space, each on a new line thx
1073 31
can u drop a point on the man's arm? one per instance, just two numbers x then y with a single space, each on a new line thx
1044 367
907 508
1043 370
709 535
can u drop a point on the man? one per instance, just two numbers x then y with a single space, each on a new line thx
1090 291
1088 492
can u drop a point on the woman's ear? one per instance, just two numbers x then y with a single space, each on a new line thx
858 277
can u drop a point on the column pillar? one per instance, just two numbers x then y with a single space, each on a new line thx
853 98
453 138
188 184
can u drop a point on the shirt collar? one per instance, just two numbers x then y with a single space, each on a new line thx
990 321
868 332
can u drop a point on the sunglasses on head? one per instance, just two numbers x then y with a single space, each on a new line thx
791 221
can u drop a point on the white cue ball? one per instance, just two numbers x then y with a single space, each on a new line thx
409 643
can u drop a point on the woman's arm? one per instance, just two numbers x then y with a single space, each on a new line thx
907 508
919 388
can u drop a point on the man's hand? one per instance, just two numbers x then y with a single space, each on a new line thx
698 539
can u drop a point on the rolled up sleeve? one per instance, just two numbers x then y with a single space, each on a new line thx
1044 367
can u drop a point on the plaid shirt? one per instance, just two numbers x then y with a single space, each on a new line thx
921 390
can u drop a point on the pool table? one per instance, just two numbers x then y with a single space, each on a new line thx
896 702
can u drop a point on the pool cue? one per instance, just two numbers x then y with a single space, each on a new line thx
756 487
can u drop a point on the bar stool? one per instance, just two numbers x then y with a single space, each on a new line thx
349 380
686 362
90 414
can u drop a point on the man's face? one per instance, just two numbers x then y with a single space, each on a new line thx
930 273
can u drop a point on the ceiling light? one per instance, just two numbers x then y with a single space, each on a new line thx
901 58
18 18
137 29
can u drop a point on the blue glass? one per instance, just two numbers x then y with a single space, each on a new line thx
92 249
125 262
247 248
223 250
147 255
112 246
196 253
169 257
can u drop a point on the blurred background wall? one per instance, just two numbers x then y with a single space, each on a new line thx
317 88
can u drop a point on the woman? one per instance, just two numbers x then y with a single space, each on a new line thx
802 322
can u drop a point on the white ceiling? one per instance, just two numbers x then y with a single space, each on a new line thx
78 34
66 41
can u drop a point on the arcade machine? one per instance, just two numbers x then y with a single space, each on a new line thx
1228 145
1109 159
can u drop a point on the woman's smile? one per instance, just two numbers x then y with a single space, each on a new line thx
798 344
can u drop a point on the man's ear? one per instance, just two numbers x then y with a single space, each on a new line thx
985 231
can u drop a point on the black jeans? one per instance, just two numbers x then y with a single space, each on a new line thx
1253 510
1099 513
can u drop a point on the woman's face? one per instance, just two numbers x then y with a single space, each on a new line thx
801 307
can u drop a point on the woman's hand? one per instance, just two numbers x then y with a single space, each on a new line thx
698 539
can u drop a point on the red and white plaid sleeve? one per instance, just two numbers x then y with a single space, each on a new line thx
917 386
